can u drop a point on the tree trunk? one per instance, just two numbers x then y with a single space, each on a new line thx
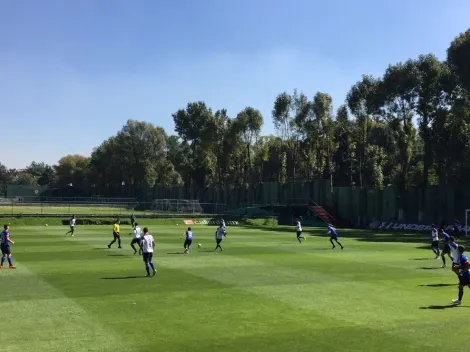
424 186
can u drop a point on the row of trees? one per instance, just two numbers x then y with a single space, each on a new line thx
409 127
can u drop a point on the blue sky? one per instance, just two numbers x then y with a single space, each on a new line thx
72 72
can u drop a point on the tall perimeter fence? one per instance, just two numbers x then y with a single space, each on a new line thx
355 205
105 206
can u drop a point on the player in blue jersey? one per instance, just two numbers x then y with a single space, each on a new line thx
446 250
188 240
333 236
5 243
464 274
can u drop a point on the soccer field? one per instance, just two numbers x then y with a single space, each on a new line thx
265 292
52 209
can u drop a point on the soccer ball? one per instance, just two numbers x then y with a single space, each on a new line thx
199 245
47 225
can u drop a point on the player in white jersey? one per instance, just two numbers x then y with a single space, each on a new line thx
298 229
148 244
188 240
219 236
435 241
454 252
72 225
137 237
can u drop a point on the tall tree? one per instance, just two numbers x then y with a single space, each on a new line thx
45 174
72 169
363 100
458 57
343 156
249 122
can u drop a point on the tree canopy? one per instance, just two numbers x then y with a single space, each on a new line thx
408 127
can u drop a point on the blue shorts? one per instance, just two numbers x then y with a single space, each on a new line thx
464 280
5 249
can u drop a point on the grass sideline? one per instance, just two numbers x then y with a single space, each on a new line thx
265 292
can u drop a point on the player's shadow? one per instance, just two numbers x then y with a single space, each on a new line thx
174 253
437 285
123 278
117 255
207 251
420 259
428 268
442 307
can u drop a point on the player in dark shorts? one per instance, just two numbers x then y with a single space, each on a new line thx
446 250
5 242
188 240
463 273
435 241
116 234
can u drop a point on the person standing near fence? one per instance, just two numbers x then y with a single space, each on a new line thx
116 234
72 225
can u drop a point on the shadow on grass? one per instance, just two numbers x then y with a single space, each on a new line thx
176 253
438 285
420 259
100 249
422 239
207 251
443 307
117 255
429 268
123 278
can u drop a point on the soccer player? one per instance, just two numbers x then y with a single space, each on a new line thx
132 218
334 236
5 243
455 254
116 234
435 241
219 236
455 230
147 244
72 225
446 250
464 274
188 241
137 236
298 229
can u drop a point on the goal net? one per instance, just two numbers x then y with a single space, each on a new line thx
177 205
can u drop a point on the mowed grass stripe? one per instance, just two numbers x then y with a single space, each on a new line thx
299 299
48 320
252 275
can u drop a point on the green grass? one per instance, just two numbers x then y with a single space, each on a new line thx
72 209
59 221
265 292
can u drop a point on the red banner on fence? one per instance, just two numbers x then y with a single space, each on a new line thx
189 222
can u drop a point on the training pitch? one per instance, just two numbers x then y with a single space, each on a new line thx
71 210
265 292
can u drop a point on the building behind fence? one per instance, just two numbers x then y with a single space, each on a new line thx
358 206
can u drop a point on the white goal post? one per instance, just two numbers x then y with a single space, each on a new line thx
467 222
